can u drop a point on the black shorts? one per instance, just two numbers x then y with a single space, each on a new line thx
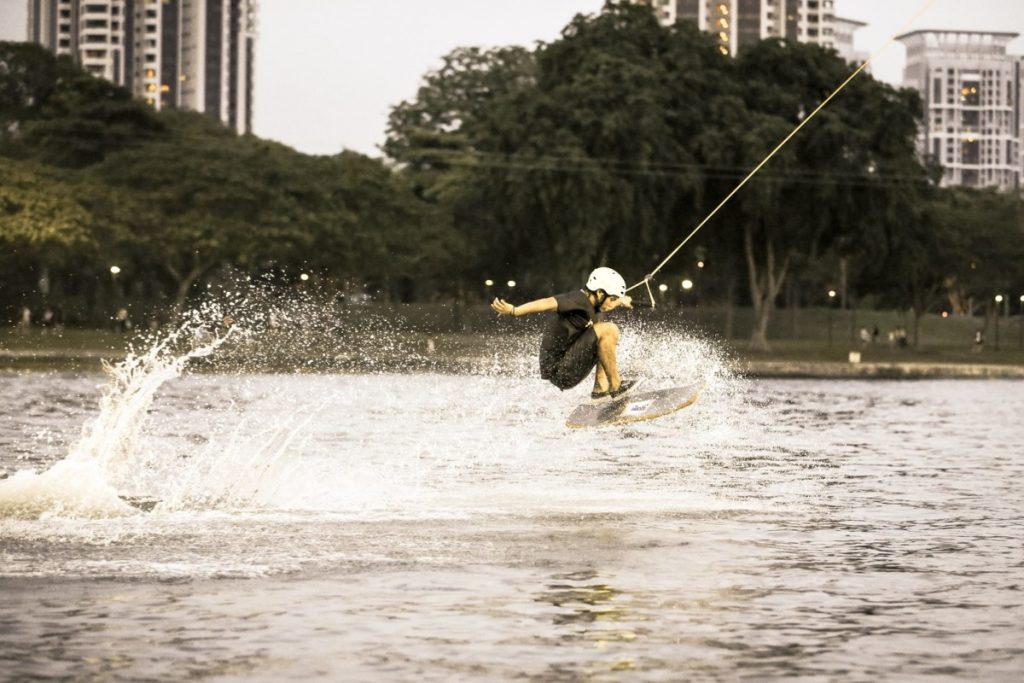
575 364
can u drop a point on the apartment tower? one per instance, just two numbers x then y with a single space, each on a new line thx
971 90
736 23
188 54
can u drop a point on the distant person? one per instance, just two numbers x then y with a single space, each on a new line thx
578 338
979 340
901 337
865 337
122 323
25 322
46 321
874 335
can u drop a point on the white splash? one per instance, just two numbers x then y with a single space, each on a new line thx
86 482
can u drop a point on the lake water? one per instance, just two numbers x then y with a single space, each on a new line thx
434 527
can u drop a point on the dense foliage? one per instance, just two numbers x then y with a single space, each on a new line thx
606 146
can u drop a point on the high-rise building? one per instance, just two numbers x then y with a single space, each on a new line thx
736 23
843 42
189 54
971 90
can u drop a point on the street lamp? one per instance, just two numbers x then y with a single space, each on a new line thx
831 299
304 277
115 270
999 300
512 284
1020 324
687 285
662 288
488 283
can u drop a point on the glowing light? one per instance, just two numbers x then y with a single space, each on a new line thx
662 287
114 270
511 283
304 277
999 298
488 283
831 294
687 285
700 264
945 314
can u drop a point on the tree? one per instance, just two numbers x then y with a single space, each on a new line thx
842 174
56 113
569 157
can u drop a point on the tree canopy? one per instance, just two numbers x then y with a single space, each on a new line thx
605 146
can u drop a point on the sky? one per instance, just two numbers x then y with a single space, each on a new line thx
329 71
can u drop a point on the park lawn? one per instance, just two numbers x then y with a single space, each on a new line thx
820 351
69 340
70 346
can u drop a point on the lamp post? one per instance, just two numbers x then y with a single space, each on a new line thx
114 272
831 300
999 300
1020 324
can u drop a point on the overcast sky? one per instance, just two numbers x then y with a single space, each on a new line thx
328 71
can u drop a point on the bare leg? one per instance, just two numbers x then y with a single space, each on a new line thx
607 374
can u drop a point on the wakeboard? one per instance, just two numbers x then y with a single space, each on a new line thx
635 407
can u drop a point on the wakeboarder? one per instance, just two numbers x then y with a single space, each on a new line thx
578 337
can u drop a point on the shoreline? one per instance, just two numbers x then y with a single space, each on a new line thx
840 370
30 360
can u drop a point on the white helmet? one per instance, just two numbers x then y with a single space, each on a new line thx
608 280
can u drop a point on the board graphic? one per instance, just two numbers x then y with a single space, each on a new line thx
635 408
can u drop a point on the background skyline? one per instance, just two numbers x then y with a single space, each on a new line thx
305 100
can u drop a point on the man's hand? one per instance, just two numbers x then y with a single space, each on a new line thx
502 307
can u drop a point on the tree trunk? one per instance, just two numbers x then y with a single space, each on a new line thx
185 282
765 284
730 308
843 283
918 312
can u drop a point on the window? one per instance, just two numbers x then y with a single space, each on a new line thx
970 93
937 91
970 150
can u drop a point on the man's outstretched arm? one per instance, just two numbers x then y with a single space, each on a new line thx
502 307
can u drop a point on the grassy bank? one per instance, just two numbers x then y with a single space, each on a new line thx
72 349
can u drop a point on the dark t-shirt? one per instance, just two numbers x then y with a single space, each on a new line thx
575 312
